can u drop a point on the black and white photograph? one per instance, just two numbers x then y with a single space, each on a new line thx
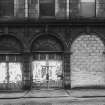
52 52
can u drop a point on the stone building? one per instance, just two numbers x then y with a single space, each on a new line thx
52 45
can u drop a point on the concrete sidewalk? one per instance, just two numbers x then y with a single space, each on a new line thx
35 94
51 93
87 93
53 97
47 93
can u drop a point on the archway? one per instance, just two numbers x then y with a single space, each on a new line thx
87 62
10 63
10 44
47 62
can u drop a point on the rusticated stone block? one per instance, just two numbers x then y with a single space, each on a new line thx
87 61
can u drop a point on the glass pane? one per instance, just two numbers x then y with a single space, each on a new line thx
42 56
2 58
74 8
51 56
36 57
55 74
19 6
87 8
15 72
60 8
55 69
15 58
47 73
58 57
15 76
6 7
33 8
38 75
100 8
47 8
3 73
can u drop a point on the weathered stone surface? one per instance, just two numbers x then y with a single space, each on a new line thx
87 61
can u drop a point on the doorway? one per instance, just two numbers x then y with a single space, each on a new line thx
47 71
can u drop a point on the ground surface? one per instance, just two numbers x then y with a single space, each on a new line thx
54 97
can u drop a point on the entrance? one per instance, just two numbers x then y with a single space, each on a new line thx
47 71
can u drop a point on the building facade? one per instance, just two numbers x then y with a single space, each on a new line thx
52 44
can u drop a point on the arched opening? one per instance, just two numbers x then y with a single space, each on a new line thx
47 63
87 62
10 44
10 63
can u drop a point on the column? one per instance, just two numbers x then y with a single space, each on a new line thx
67 70
27 71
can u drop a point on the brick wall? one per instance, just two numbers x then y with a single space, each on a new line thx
87 62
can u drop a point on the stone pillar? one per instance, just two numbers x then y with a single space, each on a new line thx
26 71
67 70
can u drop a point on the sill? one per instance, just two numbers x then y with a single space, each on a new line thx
13 21
10 18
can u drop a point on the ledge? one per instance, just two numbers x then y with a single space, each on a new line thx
31 21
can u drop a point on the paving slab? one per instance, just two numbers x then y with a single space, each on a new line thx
13 95
87 93
47 93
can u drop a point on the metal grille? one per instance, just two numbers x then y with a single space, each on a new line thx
10 74
47 73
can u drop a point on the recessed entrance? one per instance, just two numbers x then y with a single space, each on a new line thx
47 62
11 64
47 71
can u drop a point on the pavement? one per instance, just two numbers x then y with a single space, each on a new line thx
53 97
86 93
46 93
51 93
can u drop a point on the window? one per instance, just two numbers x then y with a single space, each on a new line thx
13 8
10 72
100 8
52 8
61 8
33 8
6 7
82 8
87 8
19 8
47 8
74 8
47 71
